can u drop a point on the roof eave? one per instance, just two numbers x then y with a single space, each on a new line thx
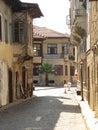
18 6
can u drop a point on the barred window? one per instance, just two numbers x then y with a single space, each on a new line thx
66 70
59 69
72 70
37 50
52 48
65 48
19 35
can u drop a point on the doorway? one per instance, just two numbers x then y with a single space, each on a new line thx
88 85
10 86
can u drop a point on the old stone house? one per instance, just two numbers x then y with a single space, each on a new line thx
88 43
54 48
16 52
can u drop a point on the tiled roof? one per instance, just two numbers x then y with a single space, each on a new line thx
45 32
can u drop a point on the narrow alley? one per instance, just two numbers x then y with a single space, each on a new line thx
50 109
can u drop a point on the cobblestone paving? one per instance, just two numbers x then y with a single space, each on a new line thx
51 109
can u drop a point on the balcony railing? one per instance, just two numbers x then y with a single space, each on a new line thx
66 57
53 56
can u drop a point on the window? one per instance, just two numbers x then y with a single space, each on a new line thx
37 50
59 69
66 70
16 31
74 51
72 70
35 71
0 29
65 48
51 81
6 31
52 48
19 32
11 33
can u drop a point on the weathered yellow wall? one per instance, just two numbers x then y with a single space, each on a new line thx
6 53
93 59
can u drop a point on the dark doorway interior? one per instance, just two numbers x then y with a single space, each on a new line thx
10 87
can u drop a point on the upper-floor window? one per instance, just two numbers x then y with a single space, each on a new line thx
74 51
52 48
37 50
19 30
0 29
6 31
11 33
65 48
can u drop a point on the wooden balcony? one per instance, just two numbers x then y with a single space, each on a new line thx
19 49
37 60
22 52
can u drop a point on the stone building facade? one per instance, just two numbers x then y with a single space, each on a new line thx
55 49
90 66
16 52
93 54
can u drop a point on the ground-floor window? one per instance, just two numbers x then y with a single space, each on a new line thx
35 71
72 70
59 69
66 70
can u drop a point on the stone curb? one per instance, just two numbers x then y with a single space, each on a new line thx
88 114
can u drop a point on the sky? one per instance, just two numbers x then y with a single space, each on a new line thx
54 14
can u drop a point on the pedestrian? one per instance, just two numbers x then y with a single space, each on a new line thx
65 86
69 85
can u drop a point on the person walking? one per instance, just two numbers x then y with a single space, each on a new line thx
65 86
69 85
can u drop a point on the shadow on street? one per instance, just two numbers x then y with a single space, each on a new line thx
39 113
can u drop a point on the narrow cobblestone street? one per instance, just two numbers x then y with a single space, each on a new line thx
50 109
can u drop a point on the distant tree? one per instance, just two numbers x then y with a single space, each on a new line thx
46 68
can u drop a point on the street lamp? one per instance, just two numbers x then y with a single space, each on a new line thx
81 65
